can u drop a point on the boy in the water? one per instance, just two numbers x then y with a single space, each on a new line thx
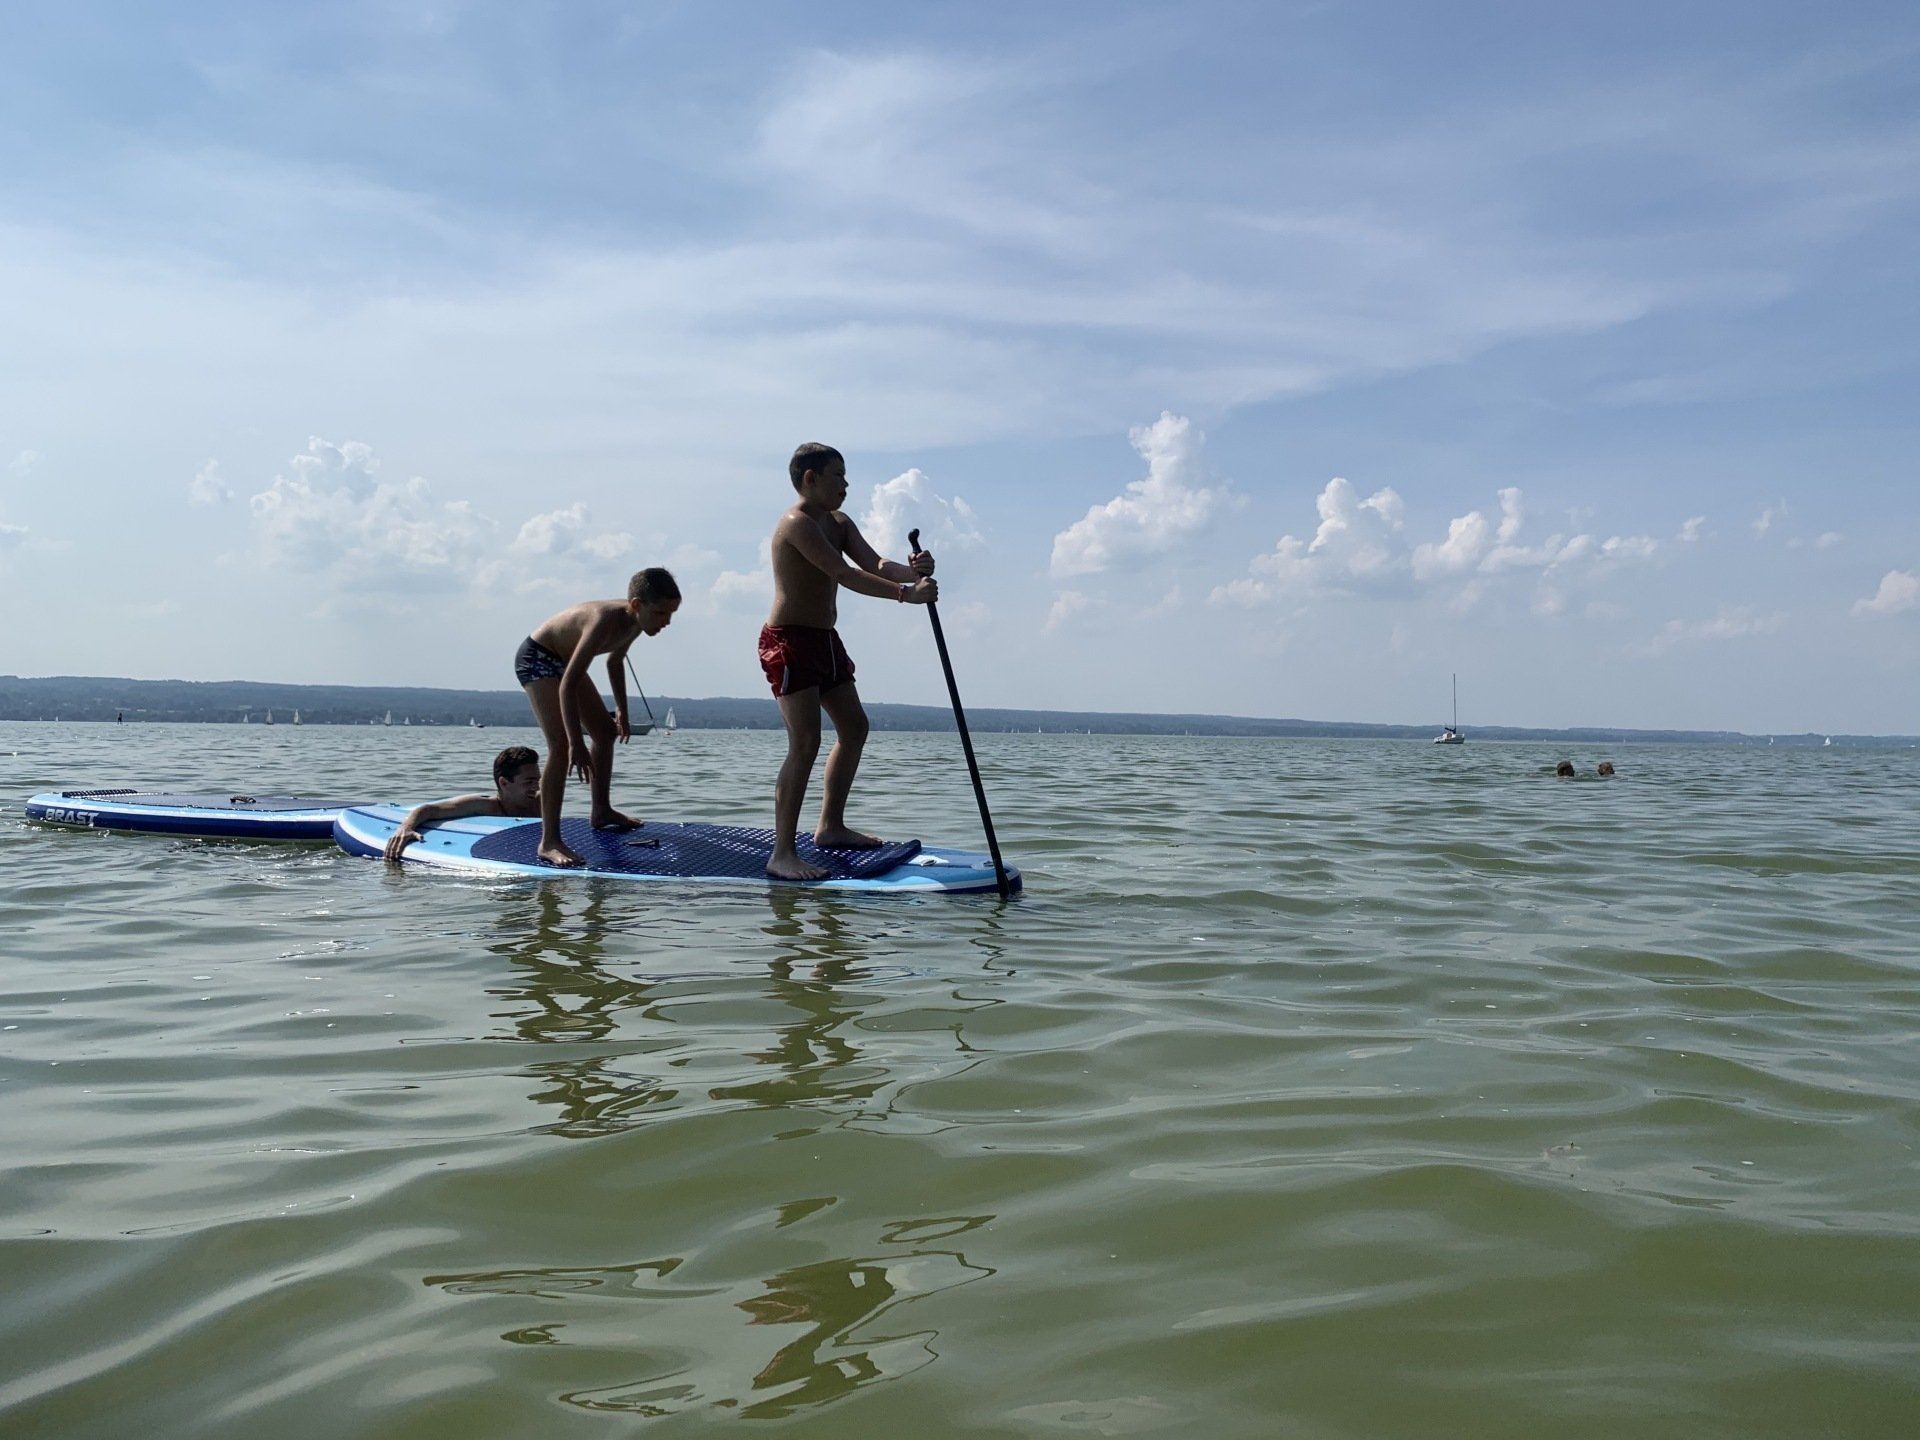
803 658
554 667
516 791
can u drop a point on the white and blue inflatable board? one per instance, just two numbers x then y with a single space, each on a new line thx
211 817
662 850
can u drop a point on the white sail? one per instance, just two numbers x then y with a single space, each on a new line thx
671 724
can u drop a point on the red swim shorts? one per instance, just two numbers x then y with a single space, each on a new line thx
802 657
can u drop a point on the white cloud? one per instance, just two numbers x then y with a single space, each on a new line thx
909 502
1361 547
731 585
1769 516
207 488
1827 540
1729 622
1691 530
1899 592
1151 515
569 534
333 515
1066 605
12 537
1357 547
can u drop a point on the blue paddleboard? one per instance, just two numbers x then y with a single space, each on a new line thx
213 817
663 850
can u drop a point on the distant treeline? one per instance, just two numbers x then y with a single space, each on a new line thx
78 697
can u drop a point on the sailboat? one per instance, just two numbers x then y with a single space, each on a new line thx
670 726
269 717
1826 742
296 717
389 719
1451 735
474 724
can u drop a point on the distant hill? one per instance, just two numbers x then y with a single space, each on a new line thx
78 697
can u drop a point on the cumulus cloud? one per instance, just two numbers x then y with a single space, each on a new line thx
334 515
1899 591
1769 516
1729 622
1151 515
1691 530
909 502
1357 547
570 534
207 488
731 585
1066 605
1361 547
1825 541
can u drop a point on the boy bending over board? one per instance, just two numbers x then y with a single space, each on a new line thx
554 667
816 550
516 792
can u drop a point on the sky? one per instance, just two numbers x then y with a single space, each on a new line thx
1251 358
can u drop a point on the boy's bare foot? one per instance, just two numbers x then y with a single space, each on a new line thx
560 855
614 820
839 837
791 867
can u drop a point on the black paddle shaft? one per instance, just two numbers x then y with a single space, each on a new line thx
966 739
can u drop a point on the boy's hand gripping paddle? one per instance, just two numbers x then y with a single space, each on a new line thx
966 740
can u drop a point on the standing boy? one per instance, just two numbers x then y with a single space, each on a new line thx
803 658
516 791
554 666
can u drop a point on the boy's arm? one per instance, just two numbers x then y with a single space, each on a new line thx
812 543
617 678
863 555
598 639
433 813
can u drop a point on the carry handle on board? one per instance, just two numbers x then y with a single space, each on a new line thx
966 740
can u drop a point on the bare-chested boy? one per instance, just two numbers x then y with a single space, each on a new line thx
554 666
805 662
516 792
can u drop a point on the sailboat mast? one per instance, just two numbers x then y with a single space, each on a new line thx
1456 701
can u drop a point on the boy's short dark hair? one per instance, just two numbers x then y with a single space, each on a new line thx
511 761
811 456
653 586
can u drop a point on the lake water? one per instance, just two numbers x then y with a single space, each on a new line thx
1314 1089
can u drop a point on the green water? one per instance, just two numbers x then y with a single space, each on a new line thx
1315 1089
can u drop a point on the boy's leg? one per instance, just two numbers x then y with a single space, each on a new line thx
600 737
849 716
801 711
544 696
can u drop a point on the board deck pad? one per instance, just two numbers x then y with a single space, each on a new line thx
686 850
666 852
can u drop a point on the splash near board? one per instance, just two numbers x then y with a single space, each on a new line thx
207 817
661 850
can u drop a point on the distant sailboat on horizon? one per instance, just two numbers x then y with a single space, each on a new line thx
670 725
389 719
269 717
1451 735
296 717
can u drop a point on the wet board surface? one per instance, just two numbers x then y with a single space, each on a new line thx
235 816
664 851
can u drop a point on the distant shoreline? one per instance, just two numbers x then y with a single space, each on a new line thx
216 702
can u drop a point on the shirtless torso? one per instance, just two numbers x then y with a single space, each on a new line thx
614 623
803 592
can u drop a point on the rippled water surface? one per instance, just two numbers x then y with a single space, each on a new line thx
1314 1089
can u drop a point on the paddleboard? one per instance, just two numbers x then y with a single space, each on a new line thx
213 817
664 850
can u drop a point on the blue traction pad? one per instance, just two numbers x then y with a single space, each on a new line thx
691 851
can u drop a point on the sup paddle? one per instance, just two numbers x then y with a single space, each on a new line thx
966 740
